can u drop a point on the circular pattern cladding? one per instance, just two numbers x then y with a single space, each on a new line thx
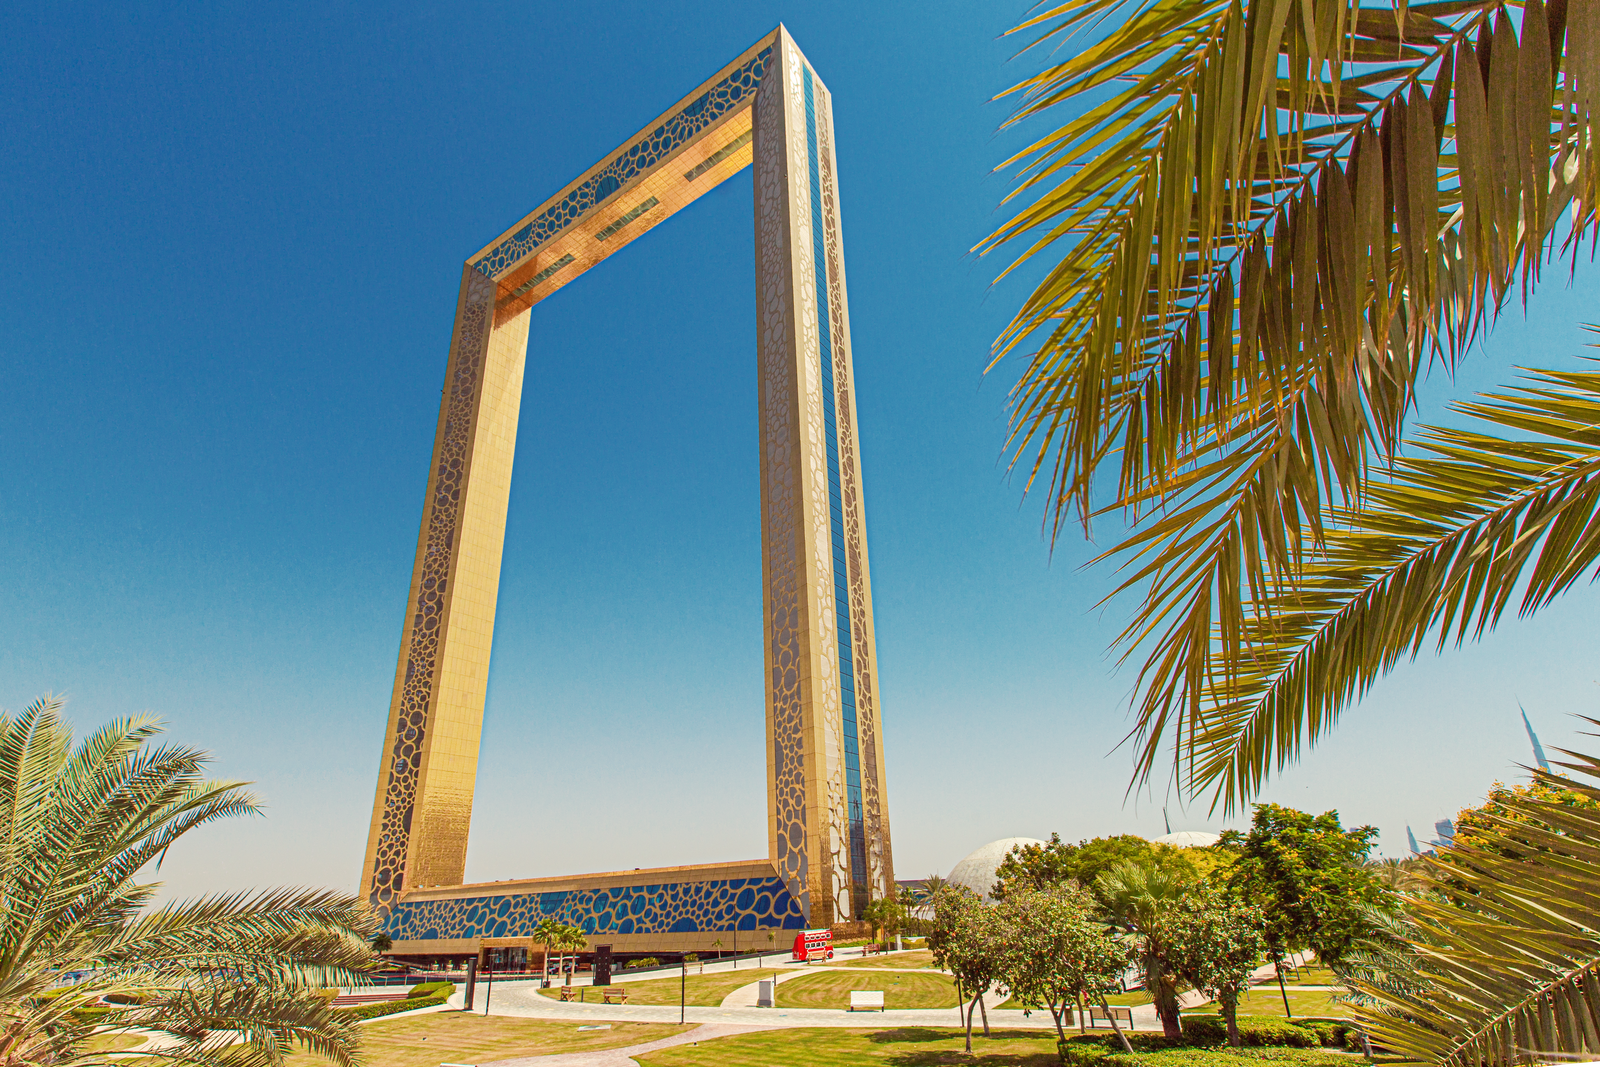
682 907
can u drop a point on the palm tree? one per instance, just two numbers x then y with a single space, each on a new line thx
1497 959
923 894
569 939
1266 218
1143 899
548 933
228 979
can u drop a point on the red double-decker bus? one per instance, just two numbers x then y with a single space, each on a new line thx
813 945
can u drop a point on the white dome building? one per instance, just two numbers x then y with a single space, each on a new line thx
976 872
1188 839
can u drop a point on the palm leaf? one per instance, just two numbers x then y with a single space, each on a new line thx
1503 935
1472 524
77 825
1267 219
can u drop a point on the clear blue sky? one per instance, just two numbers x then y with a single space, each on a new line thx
230 255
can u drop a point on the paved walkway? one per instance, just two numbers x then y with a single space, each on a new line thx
623 1057
738 1014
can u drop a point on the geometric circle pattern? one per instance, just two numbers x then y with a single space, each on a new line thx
682 907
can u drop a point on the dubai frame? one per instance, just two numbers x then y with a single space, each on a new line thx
827 820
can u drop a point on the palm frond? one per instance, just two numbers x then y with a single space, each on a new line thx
1475 522
77 825
1504 940
1269 216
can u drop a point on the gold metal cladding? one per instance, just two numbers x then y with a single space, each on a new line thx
417 845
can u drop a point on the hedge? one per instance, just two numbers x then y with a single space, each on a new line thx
1091 1052
1334 1033
428 989
1262 1035
394 1007
1255 1031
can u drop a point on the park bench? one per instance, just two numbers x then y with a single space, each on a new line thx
1098 1017
871 950
615 994
569 993
866 1000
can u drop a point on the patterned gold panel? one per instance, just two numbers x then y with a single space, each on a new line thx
766 107
782 538
879 861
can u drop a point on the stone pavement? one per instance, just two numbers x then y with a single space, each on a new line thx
738 1015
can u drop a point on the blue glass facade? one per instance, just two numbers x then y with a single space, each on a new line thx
841 572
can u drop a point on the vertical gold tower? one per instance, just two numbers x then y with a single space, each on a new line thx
828 823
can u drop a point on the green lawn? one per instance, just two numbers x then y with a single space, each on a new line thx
1316 974
113 1042
899 961
831 989
1267 1000
824 1047
704 990
916 1047
459 1037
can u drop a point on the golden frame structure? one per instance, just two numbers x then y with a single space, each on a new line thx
828 827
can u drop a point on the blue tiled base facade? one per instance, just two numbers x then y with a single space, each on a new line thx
684 907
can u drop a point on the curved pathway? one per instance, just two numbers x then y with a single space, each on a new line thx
623 1057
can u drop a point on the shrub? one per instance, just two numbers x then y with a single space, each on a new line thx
1199 1032
648 961
394 1007
1082 1051
428 989
1333 1033
1255 1031
1220 1057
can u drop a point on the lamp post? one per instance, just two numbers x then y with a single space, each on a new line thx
683 989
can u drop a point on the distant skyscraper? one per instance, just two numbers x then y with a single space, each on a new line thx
1411 838
1538 749
1447 834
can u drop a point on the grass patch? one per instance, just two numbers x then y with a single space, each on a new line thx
112 1042
1135 999
899 1047
702 990
1267 1000
831 989
899 961
459 1037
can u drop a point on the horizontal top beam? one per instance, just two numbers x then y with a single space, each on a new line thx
695 145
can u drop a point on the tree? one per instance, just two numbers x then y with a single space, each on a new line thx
548 932
1217 942
381 942
1498 960
1501 806
569 939
885 915
1264 223
1056 953
1057 862
966 942
1308 875
1143 900
78 825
